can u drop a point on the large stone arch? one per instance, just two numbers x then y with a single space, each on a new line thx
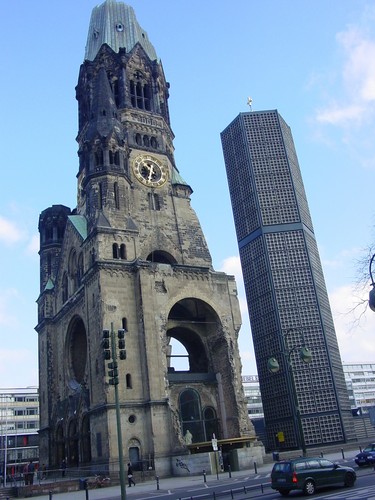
192 322
76 351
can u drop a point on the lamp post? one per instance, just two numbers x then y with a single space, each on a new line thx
274 367
371 297
114 380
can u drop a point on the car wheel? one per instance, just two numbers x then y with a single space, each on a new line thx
349 479
309 488
284 493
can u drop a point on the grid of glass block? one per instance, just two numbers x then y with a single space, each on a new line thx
241 182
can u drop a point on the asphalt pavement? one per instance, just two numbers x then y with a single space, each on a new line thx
188 481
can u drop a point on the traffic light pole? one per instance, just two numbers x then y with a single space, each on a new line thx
118 420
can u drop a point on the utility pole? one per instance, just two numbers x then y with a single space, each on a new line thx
110 353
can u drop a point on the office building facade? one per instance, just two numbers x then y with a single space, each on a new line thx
19 425
286 293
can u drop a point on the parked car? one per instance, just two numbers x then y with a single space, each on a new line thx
309 474
367 456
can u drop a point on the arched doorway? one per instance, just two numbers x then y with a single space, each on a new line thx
73 457
60 446
86 441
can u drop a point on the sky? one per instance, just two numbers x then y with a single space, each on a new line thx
312 60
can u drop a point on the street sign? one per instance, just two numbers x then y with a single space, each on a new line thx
214 444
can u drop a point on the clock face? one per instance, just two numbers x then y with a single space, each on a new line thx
149 170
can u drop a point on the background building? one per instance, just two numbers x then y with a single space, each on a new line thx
19 424
284 283
132 257
253 396
360 383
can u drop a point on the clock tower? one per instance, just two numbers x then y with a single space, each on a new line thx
132 257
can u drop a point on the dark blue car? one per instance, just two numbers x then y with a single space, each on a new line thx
367 456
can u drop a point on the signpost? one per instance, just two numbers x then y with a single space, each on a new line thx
215 449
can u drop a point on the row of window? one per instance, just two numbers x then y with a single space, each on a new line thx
154 199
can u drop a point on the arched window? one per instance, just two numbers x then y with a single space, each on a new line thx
73 270
117 158
115 252
99 157
129 381
154 143
122 251
65 293
140 92
100 194
80 268
115 88
153 201
124 324
191 417
138 139
210 422
116 195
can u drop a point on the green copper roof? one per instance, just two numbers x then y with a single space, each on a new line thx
49 285
115 24
80 223
176 178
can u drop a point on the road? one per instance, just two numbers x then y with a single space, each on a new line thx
241 486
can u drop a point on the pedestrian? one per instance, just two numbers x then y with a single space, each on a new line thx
63 468
30 472
26 474
130 475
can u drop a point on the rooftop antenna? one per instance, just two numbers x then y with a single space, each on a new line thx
249 103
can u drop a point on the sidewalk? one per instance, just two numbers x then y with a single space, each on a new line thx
172 483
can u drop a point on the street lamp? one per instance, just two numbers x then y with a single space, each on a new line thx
110 353
273 366
371 297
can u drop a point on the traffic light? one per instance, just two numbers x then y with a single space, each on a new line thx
105 344
121 343
113 373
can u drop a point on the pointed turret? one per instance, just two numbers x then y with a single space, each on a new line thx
103 121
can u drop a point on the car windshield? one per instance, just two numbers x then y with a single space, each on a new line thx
282 467
369 448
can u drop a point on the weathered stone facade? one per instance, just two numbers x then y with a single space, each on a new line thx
132 256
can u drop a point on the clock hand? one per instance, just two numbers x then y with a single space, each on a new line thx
151 172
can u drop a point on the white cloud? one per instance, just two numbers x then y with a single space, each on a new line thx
337 114
232 265
359 68
33 246
18 366
354 323
7 297
350 96
9 232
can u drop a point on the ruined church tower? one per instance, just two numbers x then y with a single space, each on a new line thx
132 257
